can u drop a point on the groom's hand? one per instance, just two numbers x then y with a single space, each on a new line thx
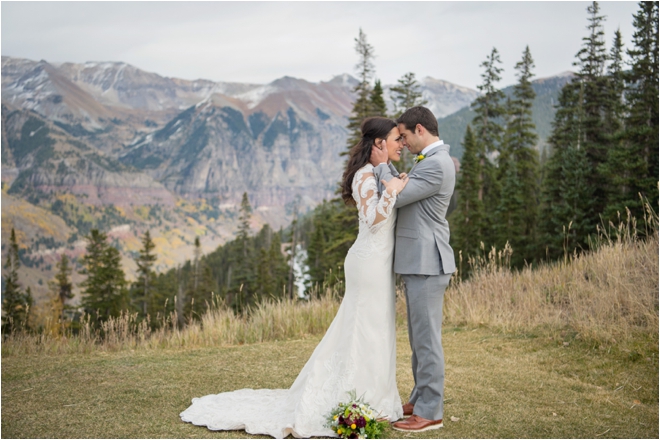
378 155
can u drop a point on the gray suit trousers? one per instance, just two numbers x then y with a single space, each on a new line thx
424 297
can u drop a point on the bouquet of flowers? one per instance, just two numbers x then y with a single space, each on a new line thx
355 419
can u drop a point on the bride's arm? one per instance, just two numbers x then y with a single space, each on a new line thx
372 210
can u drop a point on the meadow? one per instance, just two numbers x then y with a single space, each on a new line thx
567 349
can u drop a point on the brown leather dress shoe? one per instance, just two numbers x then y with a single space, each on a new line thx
408 409
417 424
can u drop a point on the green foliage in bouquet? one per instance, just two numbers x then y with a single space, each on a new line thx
355 419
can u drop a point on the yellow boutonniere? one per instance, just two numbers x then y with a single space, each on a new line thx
419 158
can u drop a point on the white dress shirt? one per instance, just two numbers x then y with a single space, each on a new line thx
428 148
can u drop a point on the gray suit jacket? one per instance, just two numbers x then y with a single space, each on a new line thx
422 232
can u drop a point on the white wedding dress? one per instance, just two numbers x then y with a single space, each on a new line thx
358 352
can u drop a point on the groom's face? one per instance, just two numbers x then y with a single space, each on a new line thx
411 139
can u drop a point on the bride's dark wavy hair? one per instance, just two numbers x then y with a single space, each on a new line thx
372 129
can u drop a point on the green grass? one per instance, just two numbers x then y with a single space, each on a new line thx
497 384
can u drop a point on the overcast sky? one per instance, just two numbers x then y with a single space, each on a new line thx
259 42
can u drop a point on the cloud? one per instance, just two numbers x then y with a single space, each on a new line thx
261 41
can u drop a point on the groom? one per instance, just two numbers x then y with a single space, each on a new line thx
424 259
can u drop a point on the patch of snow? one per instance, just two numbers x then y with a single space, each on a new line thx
117 78
202 102
255 96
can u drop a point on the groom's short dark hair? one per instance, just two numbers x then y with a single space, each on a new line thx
419 115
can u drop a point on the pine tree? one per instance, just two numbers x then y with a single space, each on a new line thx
104 291
615 110
143 289
615 106
197 253
406 94
488 133
633 164
378 106
593 139
244 222
566 195
516 215
244 271
277 264
362 107
272 269
200 288
62 283
467 222
15 303
488 106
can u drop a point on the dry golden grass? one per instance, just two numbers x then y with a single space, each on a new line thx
219 326
605 295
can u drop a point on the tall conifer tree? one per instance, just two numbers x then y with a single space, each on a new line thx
62 284
143 289
15 303
566 195
362 107
516 215
467 222
633 165
406 94
244 275
488 133
615 106
594 84
104 291
378 107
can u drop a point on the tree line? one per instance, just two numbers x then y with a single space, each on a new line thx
602 157
238 274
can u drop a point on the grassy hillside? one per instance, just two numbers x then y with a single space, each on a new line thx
563 350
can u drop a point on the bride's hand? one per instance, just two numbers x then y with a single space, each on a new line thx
403 175
395 184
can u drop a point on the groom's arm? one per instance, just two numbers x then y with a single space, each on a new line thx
385 171
424 181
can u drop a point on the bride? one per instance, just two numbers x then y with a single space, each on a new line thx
358 352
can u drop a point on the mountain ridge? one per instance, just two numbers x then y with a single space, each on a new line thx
107 145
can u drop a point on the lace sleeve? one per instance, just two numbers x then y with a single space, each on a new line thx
372 210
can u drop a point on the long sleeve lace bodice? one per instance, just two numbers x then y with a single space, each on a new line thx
372 210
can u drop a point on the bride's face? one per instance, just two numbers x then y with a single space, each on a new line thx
394 145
